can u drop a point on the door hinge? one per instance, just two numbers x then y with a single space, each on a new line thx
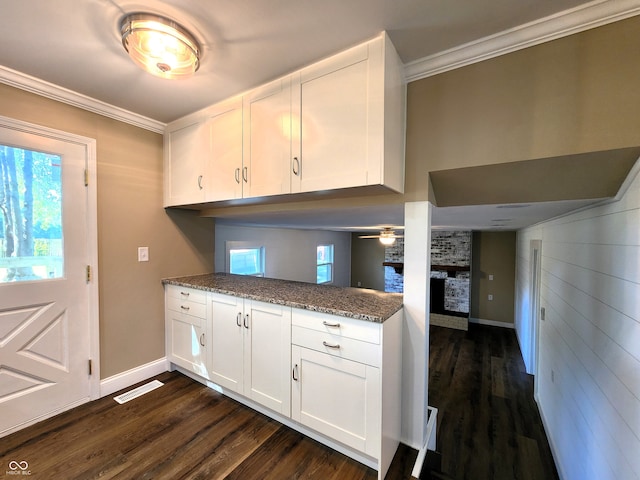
88 273
86 177
90 367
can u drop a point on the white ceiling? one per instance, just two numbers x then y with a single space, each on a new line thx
75 44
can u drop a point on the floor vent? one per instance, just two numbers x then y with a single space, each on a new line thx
137 392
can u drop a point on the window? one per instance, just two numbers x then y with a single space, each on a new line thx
30 215
247 261
324 269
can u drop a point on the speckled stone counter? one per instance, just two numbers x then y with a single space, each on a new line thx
358 303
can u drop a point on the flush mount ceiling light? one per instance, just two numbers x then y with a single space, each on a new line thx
159 45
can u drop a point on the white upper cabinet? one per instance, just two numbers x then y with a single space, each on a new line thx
336 124
267 140
186 149
227 175
351 120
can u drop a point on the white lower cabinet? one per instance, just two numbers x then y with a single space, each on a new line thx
346 381
187 329
332 375
250 350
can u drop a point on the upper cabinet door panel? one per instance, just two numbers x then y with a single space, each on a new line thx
267 140
335 126
186 149
225 161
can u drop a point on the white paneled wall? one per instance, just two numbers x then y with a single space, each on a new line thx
588 382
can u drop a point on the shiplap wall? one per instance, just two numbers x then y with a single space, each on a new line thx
590 339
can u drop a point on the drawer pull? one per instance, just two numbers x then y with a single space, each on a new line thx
295 372
186 294
332 325
238 319
184 308
328 345
202 339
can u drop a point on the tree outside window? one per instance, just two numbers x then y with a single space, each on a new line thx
30 215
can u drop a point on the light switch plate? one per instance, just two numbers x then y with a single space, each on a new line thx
490 277
143 254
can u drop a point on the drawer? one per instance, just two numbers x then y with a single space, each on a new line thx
337 326
337 346
187 294
187 307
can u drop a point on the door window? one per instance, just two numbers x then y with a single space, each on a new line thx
31 240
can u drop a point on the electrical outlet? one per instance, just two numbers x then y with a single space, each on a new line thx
490 297
359 284
490 277
143 254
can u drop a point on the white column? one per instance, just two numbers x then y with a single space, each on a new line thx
415 341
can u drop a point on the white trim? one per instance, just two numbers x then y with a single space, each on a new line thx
491 323
429 443
584 17
138 374
54 92
552 442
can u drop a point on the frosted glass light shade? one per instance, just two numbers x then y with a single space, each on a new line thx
159 45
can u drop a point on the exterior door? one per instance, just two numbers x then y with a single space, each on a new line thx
46 311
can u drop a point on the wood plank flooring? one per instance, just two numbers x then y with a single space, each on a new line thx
489 426
181 430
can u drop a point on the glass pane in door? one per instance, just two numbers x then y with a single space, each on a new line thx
30 215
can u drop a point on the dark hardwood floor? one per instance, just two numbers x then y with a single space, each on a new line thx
489 426
182 430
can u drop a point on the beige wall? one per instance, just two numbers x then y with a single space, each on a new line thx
493 253
573 95
367 256
130 214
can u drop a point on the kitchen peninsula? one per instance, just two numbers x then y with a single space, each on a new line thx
322 359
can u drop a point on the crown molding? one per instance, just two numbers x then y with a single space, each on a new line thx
590 15
40 87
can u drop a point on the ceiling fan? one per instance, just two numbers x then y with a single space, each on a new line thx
387 236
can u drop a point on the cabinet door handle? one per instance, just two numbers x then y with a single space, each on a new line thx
245 174
200 182
237 174
246 321
186 309
296 166
186 294
238 317
202 339
332 325
328 345
294 374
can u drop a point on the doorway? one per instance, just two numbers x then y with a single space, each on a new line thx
48 273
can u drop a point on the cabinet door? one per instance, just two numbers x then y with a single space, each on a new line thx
268 355
226 350
186 148
340 137
188 342
267 140
337 397
224 124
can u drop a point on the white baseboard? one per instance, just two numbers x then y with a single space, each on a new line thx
138 374
491 323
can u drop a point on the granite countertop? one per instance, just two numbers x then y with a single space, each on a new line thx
358 303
